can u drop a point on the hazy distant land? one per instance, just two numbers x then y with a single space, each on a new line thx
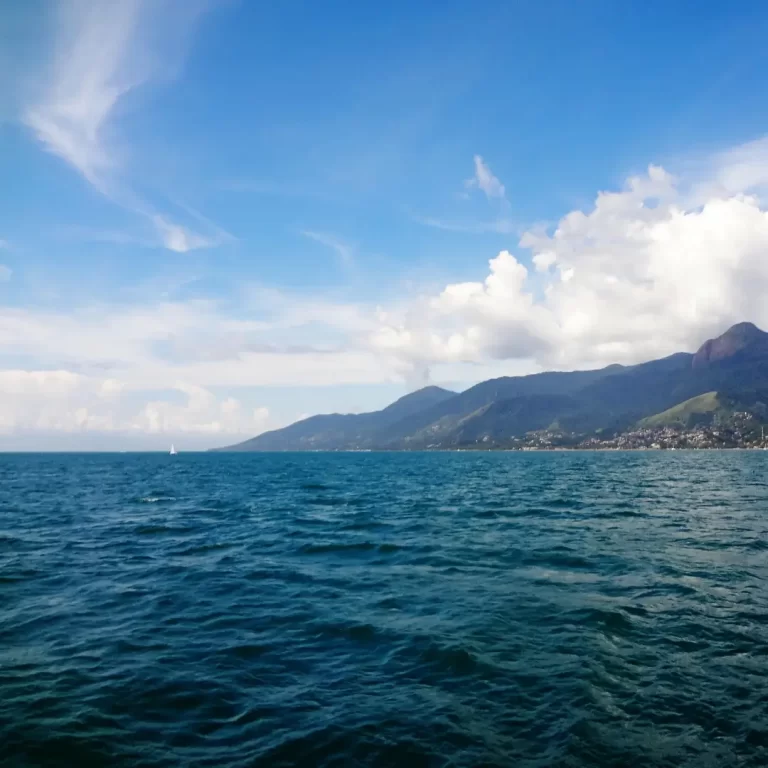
715 398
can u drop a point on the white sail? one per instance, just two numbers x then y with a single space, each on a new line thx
173 450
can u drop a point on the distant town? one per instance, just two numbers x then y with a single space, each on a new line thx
740 430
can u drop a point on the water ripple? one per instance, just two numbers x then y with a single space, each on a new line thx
384 610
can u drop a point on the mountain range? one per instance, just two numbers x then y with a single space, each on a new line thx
729 372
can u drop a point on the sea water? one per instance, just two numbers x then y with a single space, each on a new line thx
402 609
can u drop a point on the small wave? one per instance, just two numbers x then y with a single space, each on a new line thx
379 743
128 646
203 549
558 559
338 547
623 504
455 660
364 525
440 563
157 530
363 633
248 650
614 621
252 715
11 578
315 487
628 512
564 503
279 574
156 499
322 549
329 501
489 514
548 509
308 521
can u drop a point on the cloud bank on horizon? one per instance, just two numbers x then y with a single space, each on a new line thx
275 313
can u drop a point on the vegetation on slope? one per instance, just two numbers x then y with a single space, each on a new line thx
695 410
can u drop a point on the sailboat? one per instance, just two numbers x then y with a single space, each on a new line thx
173 450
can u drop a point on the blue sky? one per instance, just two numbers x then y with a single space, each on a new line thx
219 217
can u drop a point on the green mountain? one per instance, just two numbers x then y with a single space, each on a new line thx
344 430
726 374
697 410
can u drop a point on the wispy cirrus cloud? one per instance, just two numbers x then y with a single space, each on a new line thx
180 239
484 180
90 74
502 226
105 51
344 251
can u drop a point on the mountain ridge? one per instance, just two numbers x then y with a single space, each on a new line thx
733 366
324 431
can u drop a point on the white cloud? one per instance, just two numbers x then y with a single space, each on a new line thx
650 270
145 372
103 52
202 412
91 72
189 367
62 401
743 168
179 239
5 273
344 251
485 181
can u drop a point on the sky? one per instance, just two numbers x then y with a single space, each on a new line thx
219 217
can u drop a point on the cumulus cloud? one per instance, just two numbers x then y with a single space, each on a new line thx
485 181
649 270
103 52
201 412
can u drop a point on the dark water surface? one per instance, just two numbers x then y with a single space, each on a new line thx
564 609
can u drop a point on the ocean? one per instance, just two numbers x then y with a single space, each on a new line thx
403 609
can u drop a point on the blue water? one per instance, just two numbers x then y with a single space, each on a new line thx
494 609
